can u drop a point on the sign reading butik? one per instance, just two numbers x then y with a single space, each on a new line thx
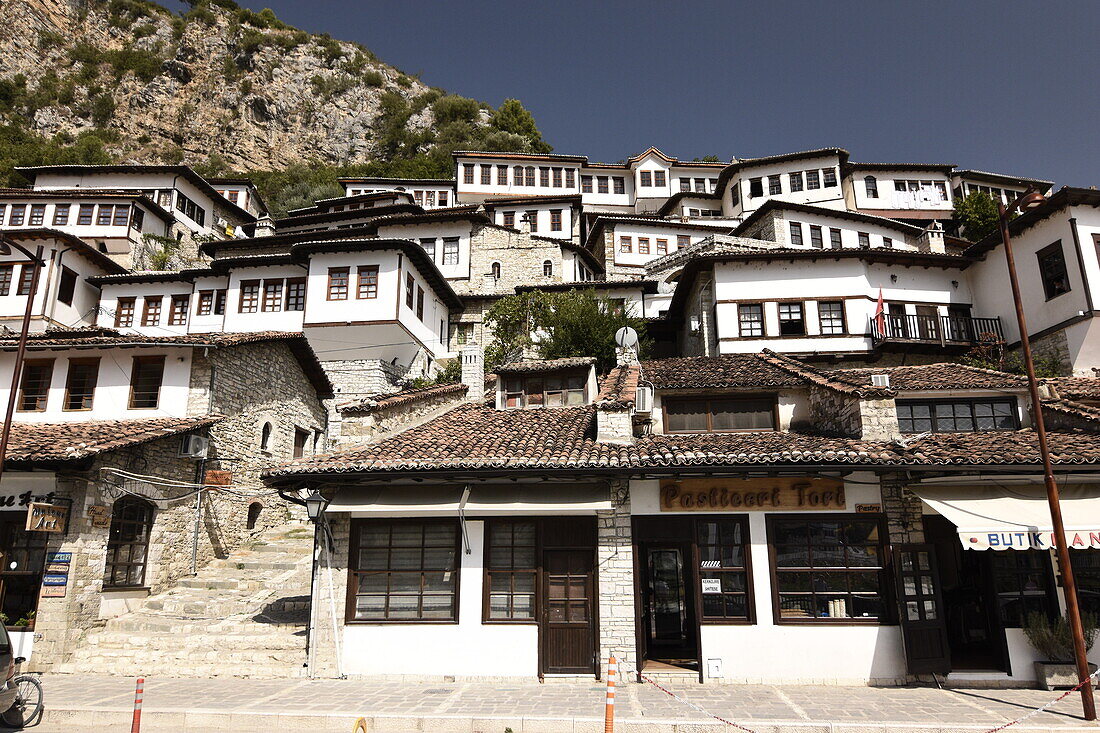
791 493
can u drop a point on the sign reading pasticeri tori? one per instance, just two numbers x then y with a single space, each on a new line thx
796 493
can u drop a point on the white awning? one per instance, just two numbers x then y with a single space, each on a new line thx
999 517
424 501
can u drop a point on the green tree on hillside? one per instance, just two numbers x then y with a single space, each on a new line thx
513 117
977 214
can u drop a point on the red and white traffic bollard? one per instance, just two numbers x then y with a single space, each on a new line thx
135 727
609 709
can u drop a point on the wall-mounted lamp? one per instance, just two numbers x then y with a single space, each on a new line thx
955 284
893 278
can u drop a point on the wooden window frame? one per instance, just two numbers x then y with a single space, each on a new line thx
468 174
85 215
972 403
864 239
836 239
301 441
661 246
821 320
333 289
366 282
221 297
450 251
763 321
134 366
61 214
643 245
885 583
618 185
523 395
491 525
147 526
206 303
27 274
555 220
410 294
645 179
1043 256
294 295
802 317
817 237
626 244
41 399
544 176
125 310
813 180
152 306
354 571
37 216
92 361
177 316
660 179
419 303
586 184
775 185
795 182
7 275
271 297
602 185
707 399
796 229
248 300
486 175
746 550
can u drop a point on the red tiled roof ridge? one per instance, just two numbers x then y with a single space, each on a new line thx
942 382
821 379
70 441
619 388
383 401
1072 407
1074 387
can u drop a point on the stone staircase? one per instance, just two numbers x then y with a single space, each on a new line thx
242 616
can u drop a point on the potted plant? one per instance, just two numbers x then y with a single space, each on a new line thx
1054 643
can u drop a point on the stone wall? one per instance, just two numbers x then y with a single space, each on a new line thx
365 426
902 508
832 413
61 622
699 311
615 568
766 229
1054 346
521 257
879 420
357 378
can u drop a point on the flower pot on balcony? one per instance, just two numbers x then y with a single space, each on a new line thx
1052 675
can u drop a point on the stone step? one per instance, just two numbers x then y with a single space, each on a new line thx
248 564
201 608
102 642
203 670
148 623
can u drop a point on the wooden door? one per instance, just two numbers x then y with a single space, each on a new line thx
928 323
923 627
568 633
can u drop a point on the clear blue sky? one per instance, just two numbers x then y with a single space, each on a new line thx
1008 86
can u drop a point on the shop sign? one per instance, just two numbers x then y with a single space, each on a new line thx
54 585
58 562
782 493
47 517
868 508
99 516
1040 540
216 477
712 585
13 501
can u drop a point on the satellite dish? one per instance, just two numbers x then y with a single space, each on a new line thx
626 337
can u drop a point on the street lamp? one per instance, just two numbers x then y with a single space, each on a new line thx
1027 201
37 263
315 505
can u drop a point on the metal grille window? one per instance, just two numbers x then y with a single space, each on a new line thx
177 313
34 385
831 317
791 320
368 282
150 310
80 383
511 569
250 296
338 283
952 416
815 237
775 186
813 180
719 414
1052 269
795 181
750 319
827 570
146 377
450 250
723 568
124 312
404 570
128 543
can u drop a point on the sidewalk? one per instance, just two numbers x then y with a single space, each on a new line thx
83 702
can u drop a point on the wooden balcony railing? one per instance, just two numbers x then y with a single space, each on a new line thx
935 329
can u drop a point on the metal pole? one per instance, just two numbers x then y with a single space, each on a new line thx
17 367
1080 653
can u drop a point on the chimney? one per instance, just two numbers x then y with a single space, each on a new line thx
525 224
626 356
473 373
265 226
931 239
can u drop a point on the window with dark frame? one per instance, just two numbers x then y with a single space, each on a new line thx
26 279
662 246
719 414
830 315
538 390
420 302
645 179
34 385
557 178
547 268
619 184
18 215
813 180
511 569
870 184
146 376
301 439
38 215
1052 270
150 310
6 273
682 240
601 184
529 175
410 295
509 219
1024 583
220 297
250 296
626 244
957 415
815 237
468 173
750 319
834 238
828 570
544 177
206 303
502 175
864 239
586 184
177 311
367 285
723 557
85 214
775 185
61 214
80 383
124 312
128 543
486 174
643 245
659 180
450 250
555 220
66 285
403 570
685 185
756 188
795 181
792 321
829 177
570 178
338 283
887 242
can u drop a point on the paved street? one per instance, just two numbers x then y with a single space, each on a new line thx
105 703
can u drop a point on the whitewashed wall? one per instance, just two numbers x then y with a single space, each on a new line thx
438 230
831 197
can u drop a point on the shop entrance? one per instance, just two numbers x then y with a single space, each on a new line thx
668 619
22 558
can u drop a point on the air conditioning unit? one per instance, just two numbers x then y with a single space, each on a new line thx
880 380
643 399
194 446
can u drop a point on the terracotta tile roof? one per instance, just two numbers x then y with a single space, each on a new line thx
933 377
1075 388
73 441
478 437
396 399
824 379
545 365
730 371
1073 409
619 387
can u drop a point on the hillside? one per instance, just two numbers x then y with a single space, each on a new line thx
228 90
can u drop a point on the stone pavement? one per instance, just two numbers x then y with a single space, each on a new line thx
86 703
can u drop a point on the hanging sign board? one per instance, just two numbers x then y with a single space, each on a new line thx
58 562
99 516
781 493
47 518
216 477
712 585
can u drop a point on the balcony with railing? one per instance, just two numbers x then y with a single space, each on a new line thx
934 330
